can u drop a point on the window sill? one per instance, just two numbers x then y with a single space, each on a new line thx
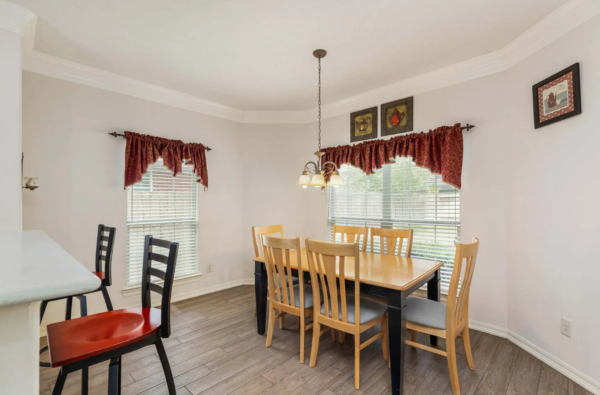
136 289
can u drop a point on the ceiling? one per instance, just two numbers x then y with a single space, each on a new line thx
257 55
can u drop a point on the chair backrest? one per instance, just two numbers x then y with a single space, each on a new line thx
104 248
457 308
258 231
323 258
390 238
277 252
352 234
167 275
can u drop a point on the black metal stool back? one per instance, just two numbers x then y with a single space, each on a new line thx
104 249
148 271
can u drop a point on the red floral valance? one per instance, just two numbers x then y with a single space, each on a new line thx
439 150
142 150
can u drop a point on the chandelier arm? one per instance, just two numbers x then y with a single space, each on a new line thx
335 168
314 170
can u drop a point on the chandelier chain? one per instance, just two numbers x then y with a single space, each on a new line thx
319 105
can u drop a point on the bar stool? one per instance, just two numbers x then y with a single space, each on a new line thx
104 248
82 342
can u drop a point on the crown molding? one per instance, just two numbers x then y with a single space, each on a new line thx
561 21
14 18
53 66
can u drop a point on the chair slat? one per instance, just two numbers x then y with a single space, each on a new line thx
156 288
157 273
158 258
161 243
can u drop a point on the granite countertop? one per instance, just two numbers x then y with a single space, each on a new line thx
34 267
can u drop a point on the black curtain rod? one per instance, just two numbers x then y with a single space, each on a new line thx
115 134
467 127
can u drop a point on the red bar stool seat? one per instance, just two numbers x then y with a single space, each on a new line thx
78 339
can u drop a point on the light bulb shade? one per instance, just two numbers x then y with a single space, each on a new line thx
304 180
318 181
336 180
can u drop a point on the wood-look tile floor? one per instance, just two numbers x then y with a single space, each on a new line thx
214 349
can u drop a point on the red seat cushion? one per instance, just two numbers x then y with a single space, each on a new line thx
74 340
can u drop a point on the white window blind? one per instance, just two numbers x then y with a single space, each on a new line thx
165 207
401 195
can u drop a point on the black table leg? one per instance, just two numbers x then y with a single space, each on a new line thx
260 290
433 293
397 338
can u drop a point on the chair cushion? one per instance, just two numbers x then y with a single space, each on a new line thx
81 338
426 312
308 296
369 310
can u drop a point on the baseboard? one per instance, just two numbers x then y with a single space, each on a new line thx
578 377
188 295
488 328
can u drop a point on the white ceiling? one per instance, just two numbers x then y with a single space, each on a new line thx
257 55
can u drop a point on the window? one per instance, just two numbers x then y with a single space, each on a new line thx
401 195
165 207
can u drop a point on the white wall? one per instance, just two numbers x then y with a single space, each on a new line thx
274 156
553 262
10 130
80 169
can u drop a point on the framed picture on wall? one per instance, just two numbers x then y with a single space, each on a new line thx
363 125
557 97
397 117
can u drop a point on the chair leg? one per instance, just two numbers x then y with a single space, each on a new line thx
270 326
452 368
315 344
281 320
333 335
43 309
342 337
302 337
84 381
60 382
356 361
114 376
69 308
166 367
83 305
109 305
467 342
384 340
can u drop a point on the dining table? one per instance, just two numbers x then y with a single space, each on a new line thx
387 277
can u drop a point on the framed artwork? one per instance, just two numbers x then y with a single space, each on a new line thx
397 117
363 125
557 97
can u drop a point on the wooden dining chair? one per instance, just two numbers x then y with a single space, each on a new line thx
346 313
284 295
82 342
259 231
392 239
105 242
352 234
447 321
268 230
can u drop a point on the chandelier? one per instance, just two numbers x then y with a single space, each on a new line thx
319 170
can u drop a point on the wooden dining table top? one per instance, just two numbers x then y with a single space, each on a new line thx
387 271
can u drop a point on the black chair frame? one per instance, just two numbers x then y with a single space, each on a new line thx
114 370
103 254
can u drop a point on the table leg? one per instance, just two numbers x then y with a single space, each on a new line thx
397 339
260 291
433 293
